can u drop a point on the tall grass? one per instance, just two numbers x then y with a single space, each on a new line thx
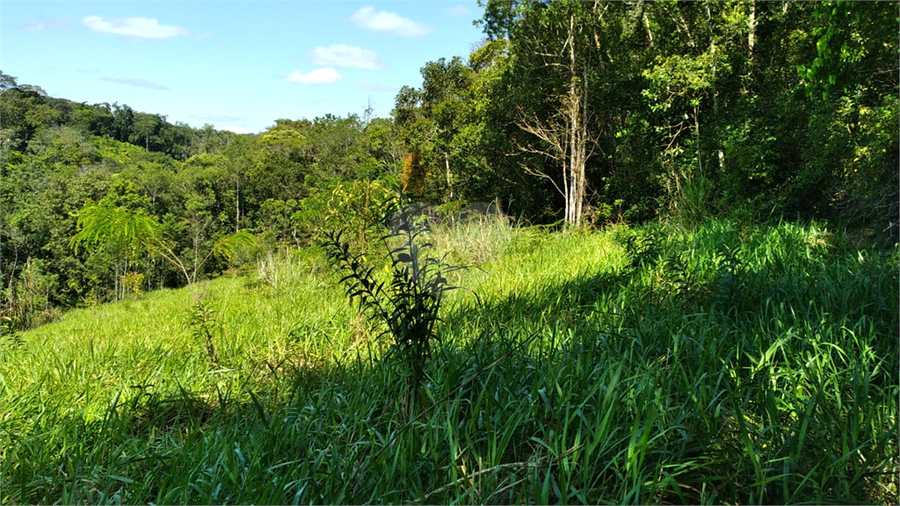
724 364
478 235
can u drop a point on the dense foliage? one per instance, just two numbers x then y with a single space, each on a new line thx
68 166
586 112
716 323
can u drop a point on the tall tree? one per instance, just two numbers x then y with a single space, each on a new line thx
552 47
431 120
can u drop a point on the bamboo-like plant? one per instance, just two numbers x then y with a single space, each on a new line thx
409 303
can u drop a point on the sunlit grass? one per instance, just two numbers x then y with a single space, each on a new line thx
727 364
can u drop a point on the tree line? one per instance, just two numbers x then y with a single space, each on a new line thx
575 113
67 164
598 111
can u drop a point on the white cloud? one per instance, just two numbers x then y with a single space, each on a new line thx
382 21
140 28
137 83
367 86
45 25
458 10
36 26
325 75
342 55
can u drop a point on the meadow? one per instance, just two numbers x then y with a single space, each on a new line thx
724 363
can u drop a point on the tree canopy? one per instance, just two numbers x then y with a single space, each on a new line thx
578 112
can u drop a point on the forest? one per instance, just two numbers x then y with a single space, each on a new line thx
649 111
667 233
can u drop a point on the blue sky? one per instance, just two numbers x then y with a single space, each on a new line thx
236 65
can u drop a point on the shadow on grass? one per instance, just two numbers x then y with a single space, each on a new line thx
568 301
301 433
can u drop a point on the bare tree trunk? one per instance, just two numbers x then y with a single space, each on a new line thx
573 125
751 36
715 94
576 133
449 182
116 277
237 204
647 24
582 151
196 256
567 132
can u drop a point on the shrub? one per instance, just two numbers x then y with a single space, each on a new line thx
409 304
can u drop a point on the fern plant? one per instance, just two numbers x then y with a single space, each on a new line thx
408 303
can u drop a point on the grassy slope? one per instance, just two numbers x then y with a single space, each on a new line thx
721 365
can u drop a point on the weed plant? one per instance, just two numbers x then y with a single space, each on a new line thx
727 364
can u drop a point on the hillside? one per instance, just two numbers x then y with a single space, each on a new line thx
754 111
620 252
727 364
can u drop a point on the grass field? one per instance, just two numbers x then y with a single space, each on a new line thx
725 364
